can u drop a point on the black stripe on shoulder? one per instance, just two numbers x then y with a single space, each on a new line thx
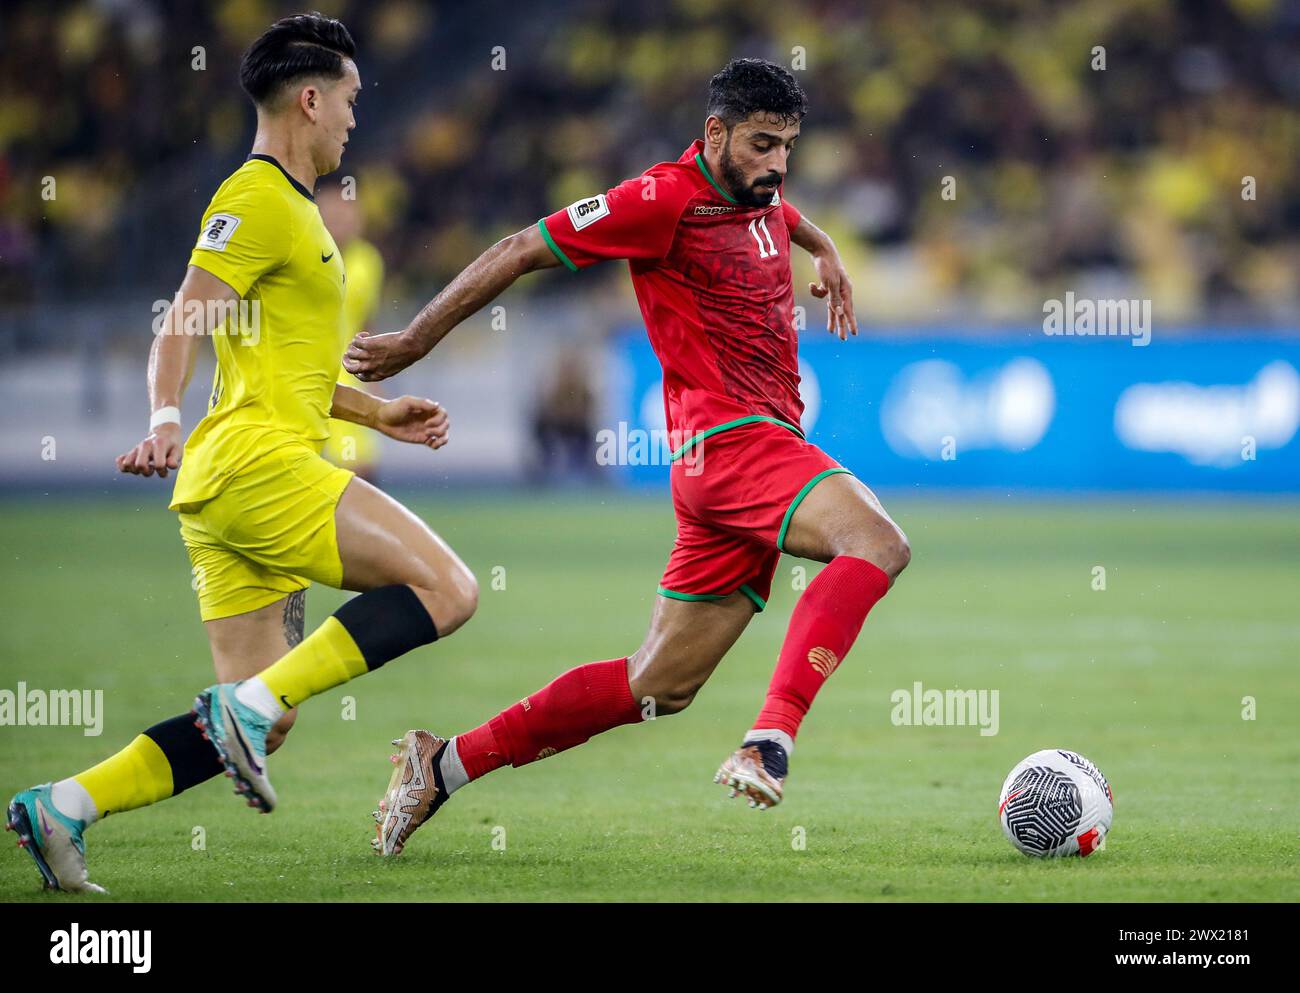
292 182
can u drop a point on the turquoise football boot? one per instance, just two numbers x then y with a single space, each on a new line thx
239 735
53 840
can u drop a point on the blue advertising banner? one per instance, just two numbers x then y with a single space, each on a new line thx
1025 411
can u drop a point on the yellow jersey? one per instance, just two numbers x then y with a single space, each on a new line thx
365 267
351 445
276 369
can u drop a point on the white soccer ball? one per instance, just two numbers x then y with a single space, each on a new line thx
1056 803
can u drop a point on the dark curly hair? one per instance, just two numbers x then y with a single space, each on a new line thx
294 47
747 86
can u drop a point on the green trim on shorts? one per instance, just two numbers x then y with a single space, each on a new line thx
550 242
759 602
689 597
738 422
794 504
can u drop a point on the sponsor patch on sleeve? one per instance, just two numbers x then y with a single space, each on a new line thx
217 231
588 211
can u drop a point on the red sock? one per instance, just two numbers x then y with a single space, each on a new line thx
583 702
825 623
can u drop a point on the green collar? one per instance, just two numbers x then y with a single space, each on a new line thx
699 161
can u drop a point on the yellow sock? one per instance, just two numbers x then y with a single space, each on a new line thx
136 776
326 658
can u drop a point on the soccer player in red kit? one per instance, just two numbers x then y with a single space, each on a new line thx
708 242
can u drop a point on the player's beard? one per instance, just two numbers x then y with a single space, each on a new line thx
734 180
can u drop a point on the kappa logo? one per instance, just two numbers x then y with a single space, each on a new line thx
588 211
823 660
710 209
217 232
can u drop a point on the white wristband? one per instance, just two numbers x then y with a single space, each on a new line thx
165 415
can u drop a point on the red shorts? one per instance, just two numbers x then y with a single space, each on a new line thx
734 495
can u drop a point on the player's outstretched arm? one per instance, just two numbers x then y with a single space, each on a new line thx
834 282
374 357
411 419
171 364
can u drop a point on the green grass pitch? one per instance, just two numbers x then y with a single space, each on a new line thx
1146 678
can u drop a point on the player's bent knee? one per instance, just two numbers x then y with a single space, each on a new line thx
457 599
884 544
900 553
466 585
892 553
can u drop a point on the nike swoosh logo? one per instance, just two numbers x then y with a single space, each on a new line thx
1008 800
326 258
239 736
45 826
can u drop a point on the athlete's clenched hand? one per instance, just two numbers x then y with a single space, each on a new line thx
413 419
372 357
160 451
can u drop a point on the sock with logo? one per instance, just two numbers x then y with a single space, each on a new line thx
823 627
367 631
167 759
577 705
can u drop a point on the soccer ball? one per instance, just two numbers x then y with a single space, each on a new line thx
1056 803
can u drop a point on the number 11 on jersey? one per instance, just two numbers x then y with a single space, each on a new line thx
758 228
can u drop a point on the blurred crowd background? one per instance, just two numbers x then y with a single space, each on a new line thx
477 118
972 160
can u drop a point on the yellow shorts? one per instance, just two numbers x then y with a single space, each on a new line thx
269 533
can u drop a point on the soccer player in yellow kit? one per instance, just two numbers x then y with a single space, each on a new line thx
261 512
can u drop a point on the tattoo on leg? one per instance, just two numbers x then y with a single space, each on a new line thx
295 616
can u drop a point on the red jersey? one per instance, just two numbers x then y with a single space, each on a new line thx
712 277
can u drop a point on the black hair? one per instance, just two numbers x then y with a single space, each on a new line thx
747 86
294 47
